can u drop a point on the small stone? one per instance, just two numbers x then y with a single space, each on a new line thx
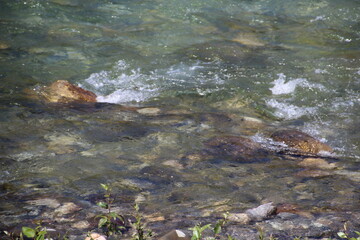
317 163
174 235
4 46
95 236
149 111
67 208
81 225
174 164
261 212
241 218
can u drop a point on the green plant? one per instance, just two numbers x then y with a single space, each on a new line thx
197 231
262 235
141 233
111 222
37 233
345 236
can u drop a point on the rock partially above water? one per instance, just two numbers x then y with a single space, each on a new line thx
62 91
300 141
261 212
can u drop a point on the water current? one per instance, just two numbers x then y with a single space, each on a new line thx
169 76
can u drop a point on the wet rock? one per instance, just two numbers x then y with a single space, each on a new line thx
313 173
248 39
174 235
236 148
261 212
176 165
62 91
159 174
317 163
149 111
241 218
227 51
49 202
300 141
67 208
95 236
4 46
81 225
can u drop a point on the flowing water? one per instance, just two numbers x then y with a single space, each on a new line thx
169 76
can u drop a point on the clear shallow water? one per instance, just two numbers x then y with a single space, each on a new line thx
204 64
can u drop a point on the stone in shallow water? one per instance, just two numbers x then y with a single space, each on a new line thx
49 202
62 91
261 212
236 148
317 163
300 141
241 218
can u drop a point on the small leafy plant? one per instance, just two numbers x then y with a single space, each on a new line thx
38 233
198 229
345 236
141 233
111 222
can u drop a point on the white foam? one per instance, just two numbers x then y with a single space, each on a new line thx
289 111
123 84
283 87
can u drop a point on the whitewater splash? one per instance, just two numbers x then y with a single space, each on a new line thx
283 105
123 84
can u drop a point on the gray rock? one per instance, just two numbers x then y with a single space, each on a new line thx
261 212
175 235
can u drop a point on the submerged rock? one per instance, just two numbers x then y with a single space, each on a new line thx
62 91
300 141
318 163
236 148
4 46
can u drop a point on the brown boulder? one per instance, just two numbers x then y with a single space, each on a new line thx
300 141
62 91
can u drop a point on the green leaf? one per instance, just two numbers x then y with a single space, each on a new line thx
136 207
205 227
102 222
105 186
342 235
102 205
217 228
28 232
358 233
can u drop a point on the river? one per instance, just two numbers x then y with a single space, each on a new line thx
169 76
